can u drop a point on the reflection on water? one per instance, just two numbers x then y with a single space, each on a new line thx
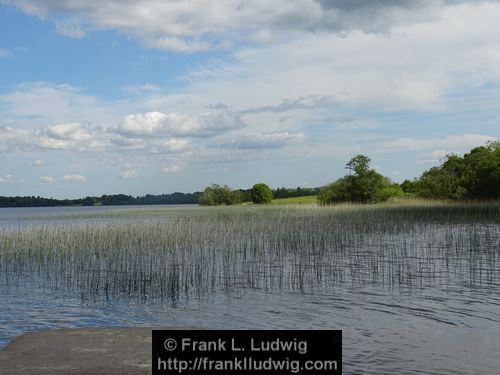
411 296
440 331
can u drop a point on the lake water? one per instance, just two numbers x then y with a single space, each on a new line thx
444 325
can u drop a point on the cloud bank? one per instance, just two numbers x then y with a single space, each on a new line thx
181 26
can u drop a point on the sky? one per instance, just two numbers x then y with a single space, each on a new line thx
153 96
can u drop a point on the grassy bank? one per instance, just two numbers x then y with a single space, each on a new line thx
310 199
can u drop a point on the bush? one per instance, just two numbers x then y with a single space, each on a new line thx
261 193
476 175
334 193
409 186
387 192
362 185
216 195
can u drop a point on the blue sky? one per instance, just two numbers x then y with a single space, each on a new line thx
138 97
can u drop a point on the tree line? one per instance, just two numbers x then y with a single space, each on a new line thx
217 195
105 200
473 176
241 195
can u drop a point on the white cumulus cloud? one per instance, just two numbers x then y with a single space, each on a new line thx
47 179
74 178
172 169
7 178
153 124
131 173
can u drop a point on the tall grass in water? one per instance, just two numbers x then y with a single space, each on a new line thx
168 254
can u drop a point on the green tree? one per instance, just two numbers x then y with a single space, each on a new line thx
408 186
482 177
476 175
440 183
360 164
362 184
216 195
261 193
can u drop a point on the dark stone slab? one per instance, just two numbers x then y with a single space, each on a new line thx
80 351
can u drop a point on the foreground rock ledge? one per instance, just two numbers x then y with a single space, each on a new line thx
80 351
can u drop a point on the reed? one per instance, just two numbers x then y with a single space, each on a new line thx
169 254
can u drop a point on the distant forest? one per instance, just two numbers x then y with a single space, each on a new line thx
123 199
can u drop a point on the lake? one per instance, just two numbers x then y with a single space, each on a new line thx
413 288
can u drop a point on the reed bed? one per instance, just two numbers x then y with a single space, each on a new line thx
169 254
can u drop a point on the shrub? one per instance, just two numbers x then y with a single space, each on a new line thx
387 192
217 195
261 193
362 185
334 193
